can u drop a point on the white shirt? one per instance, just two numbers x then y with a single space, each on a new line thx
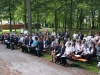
25 32
73 48
85 38
75 36
67 43
78 48
33 38
22 30
86 50
89 38
97 37
68 50
53 34
21 39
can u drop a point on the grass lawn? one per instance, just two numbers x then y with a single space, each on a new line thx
7 31
92 68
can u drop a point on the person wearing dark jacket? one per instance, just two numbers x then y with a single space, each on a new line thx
29 45
24 46
80 36
39 47
61 52
8 41
12 42
2 38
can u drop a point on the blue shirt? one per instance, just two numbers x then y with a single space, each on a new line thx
35 43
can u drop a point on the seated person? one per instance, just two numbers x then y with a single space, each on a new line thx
89 53
61 52
34 45
39 47
66 54
30 41
78 48
55 51
24 46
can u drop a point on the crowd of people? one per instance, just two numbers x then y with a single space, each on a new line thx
61 47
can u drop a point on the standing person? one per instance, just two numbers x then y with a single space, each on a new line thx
22 30
38 33
53 33
47 33
62 35
67 34
75 36
80 35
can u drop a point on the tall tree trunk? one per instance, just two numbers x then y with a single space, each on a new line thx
65 22
99 19
81 18
29 16
25 24
70 26
93 24
14 26
10 17
56 26
77 20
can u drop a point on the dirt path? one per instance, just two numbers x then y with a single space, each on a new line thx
17 63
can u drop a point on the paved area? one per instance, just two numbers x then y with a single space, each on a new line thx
17 63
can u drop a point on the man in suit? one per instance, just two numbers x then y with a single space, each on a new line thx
12 42
47 33
29 46
39 47
24 46
80 35
15 41
8 41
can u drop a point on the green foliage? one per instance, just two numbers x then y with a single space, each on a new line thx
44 10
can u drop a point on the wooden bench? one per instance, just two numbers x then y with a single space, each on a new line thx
45 51
80 61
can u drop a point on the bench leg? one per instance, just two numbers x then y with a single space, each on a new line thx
79 64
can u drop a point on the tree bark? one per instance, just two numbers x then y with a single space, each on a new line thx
29 16
70 27
10 17
93 24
